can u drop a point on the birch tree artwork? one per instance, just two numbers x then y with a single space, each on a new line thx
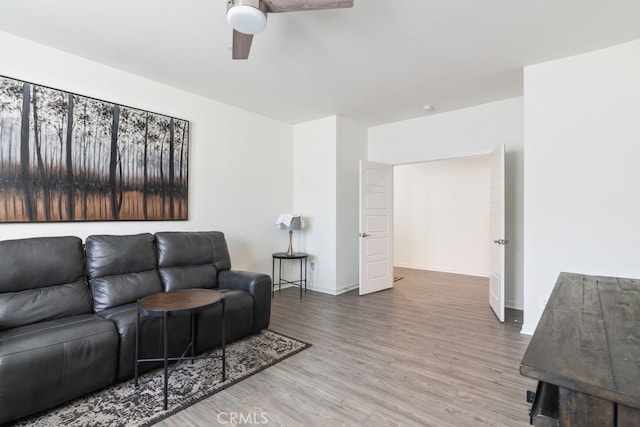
66 157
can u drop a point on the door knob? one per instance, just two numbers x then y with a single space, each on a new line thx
364 235
501 241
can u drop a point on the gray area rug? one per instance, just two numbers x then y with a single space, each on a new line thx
123 405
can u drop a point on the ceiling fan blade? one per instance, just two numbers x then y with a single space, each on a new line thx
241 45
276 6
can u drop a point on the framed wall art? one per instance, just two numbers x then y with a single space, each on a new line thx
68 157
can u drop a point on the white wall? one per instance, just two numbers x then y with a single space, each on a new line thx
582 174
441 216
467 132
240 165
326 155
351 148
314 195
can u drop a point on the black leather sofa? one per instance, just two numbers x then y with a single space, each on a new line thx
68 310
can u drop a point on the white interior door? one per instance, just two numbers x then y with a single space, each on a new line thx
376 227
497 233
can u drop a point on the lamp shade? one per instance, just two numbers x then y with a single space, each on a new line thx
287 221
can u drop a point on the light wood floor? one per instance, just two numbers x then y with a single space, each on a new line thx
429 352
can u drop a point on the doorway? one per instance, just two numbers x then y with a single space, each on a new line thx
441 215
442 218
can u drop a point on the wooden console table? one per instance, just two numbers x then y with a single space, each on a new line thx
585 353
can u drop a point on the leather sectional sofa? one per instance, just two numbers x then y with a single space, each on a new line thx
68 309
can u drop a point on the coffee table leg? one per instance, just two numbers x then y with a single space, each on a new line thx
166 360
224 358
193 336
135 368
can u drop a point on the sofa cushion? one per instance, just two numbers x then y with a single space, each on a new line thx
191 259
121 269
41 304
42 279
47 363
187 277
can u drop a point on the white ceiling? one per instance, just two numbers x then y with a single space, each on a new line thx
376 63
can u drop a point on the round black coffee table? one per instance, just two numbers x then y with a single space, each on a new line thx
182 302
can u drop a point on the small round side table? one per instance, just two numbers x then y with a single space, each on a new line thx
303 271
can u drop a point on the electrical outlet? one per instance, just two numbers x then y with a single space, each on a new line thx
313 266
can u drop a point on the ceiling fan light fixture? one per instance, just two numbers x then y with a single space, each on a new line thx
245 18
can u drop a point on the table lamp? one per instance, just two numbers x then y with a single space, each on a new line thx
289 222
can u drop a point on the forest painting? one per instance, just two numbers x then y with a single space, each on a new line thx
66 157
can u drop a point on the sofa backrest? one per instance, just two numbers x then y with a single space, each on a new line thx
121 269
191 259
41 279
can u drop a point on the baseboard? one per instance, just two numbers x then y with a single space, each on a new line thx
443 270
527 329
347 288
333 291
324 290
514 305
284 286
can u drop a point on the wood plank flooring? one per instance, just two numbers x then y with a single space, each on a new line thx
428 352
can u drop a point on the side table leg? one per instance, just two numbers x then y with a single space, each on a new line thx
166 360
273 277
300 283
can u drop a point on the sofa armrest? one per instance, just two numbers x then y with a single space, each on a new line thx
258 285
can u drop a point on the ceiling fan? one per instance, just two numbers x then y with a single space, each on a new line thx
249 17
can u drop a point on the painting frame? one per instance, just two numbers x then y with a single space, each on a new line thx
66 157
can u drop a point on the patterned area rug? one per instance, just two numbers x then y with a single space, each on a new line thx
121 404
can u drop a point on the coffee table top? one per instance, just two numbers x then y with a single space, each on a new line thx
181 302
